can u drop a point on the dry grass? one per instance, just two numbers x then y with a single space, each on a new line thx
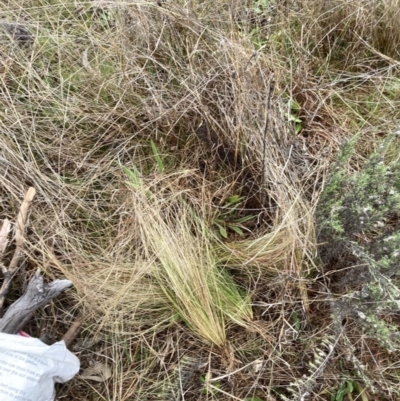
166 299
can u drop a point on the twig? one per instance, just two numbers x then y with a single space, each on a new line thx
73 331
266 126
10 272
5 229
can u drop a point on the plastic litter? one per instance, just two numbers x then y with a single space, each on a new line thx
29 368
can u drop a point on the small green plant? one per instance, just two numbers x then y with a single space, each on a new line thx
135 178
294 118
347 388
258 38
208 387
107 17
157 157
228 219
295 321
263 6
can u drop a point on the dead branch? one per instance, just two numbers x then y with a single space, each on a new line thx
36 295
9 272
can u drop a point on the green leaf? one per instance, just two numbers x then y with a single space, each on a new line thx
350 387
344 389
294 105
361 391
134 177
253 399
222 231
237 230
295 119
234 199
157 157
298 128
244 219
230 209
295 320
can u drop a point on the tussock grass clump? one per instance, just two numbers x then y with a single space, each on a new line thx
184 267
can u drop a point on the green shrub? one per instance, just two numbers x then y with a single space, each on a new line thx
359 236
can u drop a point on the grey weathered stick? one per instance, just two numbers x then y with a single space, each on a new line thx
10 272
36 295
26 320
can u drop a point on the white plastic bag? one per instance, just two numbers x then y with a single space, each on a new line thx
29 368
